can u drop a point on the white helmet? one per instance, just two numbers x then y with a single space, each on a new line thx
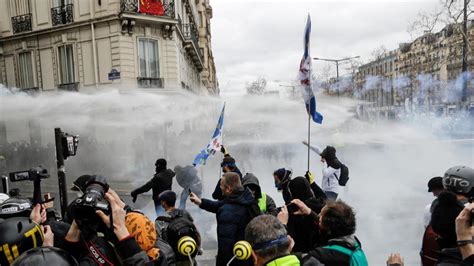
3 197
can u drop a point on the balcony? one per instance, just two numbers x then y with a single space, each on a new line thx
62 15
21 23
131 6
69 87
144 82
189 34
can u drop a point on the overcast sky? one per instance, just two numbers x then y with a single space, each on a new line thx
265 38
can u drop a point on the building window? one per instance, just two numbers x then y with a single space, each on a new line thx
66 64
26 74
148 58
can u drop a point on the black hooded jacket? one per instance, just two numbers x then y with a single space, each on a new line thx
329 154
303 229
160 182
251 181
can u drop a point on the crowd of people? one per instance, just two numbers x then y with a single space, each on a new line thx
313 227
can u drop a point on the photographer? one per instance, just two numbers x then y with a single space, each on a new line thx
337 223
91 249
465 234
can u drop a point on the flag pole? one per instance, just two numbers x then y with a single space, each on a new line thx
309 136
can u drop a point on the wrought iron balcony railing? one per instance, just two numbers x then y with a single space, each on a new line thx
21 23
144 82
190 33
69 87
132 7
62 14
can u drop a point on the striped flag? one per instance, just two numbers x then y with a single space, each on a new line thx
305 77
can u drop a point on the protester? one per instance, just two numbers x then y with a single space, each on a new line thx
233 213
435 186
264 201
271 245
331 170
338 224
176 224
430 248
458 182
188 179
161 181
228 165
145 234
303 229
282 178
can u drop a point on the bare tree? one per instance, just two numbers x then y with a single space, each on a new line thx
424 23
325 73
257 87
378 52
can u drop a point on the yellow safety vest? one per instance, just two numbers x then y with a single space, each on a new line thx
262 203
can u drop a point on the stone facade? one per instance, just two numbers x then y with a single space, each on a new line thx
417 73
78 44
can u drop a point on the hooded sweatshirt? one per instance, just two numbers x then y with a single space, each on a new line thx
251 181
302 229
160 182
331 169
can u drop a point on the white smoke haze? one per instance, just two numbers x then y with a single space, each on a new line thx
123 133
423 86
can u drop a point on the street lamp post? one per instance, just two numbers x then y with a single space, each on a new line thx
337 64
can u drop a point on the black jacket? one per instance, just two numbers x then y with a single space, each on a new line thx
330 257
251 181
232 216
160 182
304 229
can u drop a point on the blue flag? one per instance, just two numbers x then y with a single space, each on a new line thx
215 143
305 77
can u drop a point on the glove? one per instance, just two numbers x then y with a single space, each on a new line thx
134 196
309 176
223 150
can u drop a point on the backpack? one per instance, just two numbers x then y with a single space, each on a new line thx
357 256
430 248
344 176
179 226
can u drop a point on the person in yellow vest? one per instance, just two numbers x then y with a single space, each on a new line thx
264 201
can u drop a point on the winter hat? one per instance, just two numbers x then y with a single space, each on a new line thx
300 189
160 164
283 174
168 196
80 184
144 232
435 183
228 161
443 217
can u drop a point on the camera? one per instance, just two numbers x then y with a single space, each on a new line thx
83 208
34 174
69 144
